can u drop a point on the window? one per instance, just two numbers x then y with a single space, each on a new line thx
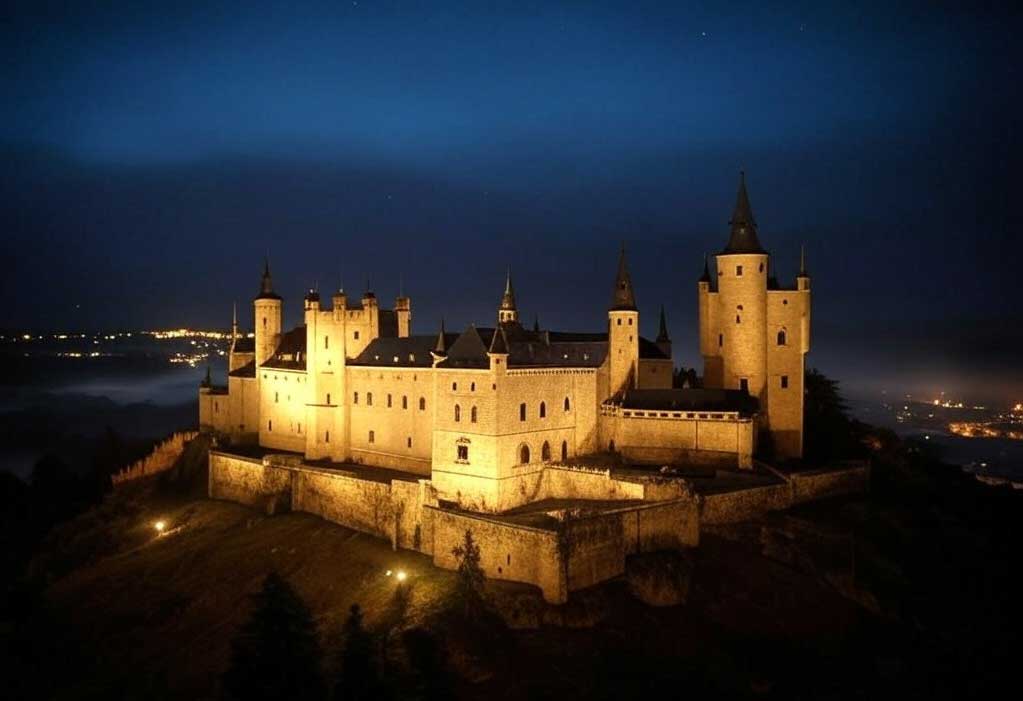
454 386
326 342
300 428
564 451
463 453
356 335
404 402
784 381
326 437
216 407
781 338
422 404
619 322
721 340
264 322
277 398
568 405
524 455
522 412
372 437
355 398
458 413
328 397
744 384
270 425
738 271
388 401
473 415
472 387
545 452
737 319
369 399
761 267
408 441
543 410
611 446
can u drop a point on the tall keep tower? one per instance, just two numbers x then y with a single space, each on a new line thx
623 332
754 334
267 307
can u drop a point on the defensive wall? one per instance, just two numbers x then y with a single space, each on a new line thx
564 550
163 457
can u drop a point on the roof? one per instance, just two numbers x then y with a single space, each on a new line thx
690 400
408 352
290 353
743 238
624 298
244 344
247 370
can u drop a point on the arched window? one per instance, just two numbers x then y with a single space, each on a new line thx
524 454
522 412
781 337
472 387
422 404
543 409
404 402
568 405
458 413
545 452
472 415
564 451
611 446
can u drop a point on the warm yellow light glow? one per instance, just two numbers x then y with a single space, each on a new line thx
1018 407
160 526
401 576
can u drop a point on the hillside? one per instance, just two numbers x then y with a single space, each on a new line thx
908 589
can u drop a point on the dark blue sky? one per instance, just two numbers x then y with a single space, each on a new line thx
153 155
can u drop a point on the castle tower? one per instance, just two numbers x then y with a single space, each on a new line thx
507 313
742 302
403 313
623 332
267 308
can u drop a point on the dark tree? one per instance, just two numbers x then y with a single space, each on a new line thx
275 654
358 677
470 577
830 434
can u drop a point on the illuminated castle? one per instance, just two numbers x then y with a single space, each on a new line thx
481 413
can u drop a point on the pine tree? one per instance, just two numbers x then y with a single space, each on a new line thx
470 575
358 678
275 654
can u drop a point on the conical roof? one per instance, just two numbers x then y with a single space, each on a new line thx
743 238
624 298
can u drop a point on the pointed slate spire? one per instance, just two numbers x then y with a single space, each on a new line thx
662 334
743 237
706 270
536 323
508 298
266 286
499 344
442 347
208 380
624 298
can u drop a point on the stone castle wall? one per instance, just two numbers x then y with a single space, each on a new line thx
163 457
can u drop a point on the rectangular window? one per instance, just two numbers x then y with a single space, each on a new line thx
738 271
744 384
356 335
784 381
463 453
372 437
270 425
300 428
328 397
409 441
326 437
355 398
388 401
721 340
326 342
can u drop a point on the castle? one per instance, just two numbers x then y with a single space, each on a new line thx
481 419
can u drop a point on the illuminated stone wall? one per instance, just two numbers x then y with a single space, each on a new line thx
655 374
162 458
727 440
388 406
282 409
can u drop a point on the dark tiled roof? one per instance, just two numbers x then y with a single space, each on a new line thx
247 370
470 349
290 353
743 238
244 344
648 350
690 400
388 323
412 351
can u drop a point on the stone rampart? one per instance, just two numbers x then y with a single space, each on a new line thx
163 457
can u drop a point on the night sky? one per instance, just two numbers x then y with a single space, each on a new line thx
153 153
